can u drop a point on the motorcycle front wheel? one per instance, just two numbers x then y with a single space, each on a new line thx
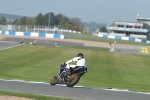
53 81
73 80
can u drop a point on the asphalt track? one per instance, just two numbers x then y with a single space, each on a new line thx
83 93
75 92
42 42
4 45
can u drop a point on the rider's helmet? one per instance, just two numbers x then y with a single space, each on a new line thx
80 55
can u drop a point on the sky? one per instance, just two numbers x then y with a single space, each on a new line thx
99 11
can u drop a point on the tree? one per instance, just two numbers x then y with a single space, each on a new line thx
65 22
3 21
16 22
23 20
75 21
49 17
29 21
45 19
103 29
81 28
58 18
39 19
52 19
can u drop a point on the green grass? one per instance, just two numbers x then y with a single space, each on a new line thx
32 96
105 69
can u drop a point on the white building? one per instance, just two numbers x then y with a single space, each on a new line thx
139 29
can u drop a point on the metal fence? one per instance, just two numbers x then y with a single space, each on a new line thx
131 49
39 29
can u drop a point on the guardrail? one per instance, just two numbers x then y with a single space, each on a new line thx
33 34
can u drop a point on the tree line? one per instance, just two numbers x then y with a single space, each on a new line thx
47 20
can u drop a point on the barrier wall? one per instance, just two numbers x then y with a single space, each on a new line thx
121 38
32 34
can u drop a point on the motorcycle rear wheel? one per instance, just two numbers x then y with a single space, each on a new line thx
73 80
53 81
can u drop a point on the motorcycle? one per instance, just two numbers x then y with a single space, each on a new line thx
69 77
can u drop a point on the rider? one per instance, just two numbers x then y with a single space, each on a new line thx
80 62
21 42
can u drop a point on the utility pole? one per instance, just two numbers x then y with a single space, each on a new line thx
49 21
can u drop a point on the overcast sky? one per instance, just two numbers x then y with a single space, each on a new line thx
100 11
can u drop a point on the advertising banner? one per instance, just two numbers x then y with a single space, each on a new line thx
145 50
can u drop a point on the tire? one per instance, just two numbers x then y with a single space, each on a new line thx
53 81
73 81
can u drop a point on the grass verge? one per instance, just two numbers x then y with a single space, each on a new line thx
91 37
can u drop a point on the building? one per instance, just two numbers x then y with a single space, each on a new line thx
139 29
